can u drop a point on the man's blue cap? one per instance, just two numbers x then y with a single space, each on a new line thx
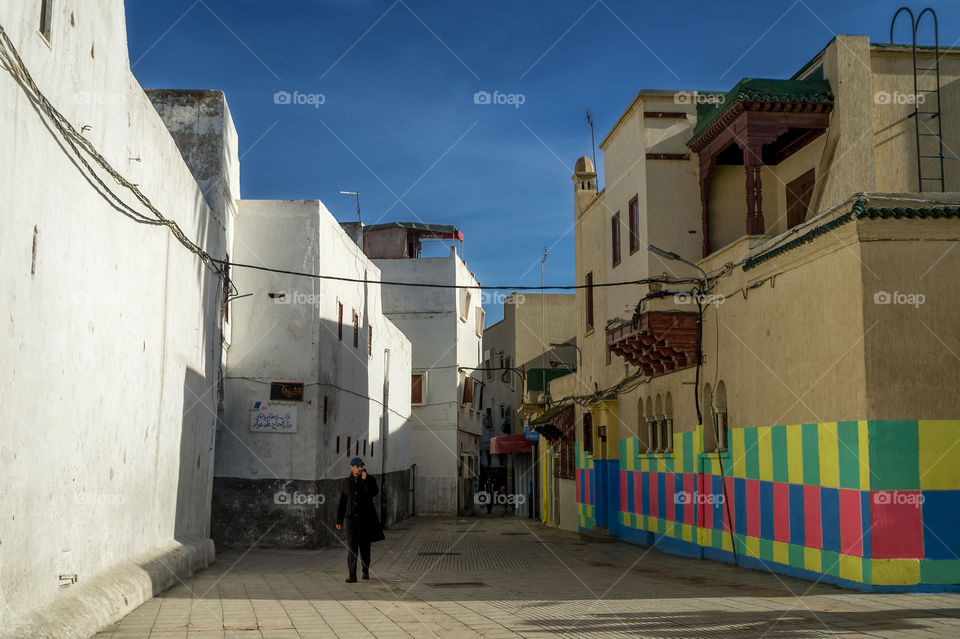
356 461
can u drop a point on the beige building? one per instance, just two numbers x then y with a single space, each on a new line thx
533 343
777 394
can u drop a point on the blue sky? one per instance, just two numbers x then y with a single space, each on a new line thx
399 124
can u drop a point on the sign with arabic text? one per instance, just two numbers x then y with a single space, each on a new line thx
273 417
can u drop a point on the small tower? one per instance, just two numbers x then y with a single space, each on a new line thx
584 185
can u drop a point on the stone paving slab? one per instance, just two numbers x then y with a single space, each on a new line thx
506 578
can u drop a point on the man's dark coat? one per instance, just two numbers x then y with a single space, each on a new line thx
356 509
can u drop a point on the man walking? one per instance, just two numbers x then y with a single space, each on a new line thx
356 508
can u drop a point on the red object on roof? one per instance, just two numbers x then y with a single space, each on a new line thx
510 444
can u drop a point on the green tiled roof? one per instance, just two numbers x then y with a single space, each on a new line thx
859 211
754 90
549 414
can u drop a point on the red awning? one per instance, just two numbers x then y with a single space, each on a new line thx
510 444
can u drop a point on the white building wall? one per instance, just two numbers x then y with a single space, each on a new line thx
294 336
111 347
446 348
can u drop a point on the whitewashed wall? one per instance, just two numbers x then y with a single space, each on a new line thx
111 345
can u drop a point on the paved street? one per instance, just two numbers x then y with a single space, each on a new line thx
500 578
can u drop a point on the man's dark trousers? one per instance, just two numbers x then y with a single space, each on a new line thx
361 547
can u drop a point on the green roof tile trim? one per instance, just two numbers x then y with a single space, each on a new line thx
549 414
859 211
756 90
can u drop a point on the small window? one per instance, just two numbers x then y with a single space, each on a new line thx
364 448
465 311
371 448
417 388
488 370
615 238
226 286
46 20
325 405
588 291
356 448
467 390
481 316
348 446
356 329
340 321
338 444
634 224
369 340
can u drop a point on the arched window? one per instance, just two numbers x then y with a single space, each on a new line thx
642 435
720 417
658 424
706 411
666 424
651 430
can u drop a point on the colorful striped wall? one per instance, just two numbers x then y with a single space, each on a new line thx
868 504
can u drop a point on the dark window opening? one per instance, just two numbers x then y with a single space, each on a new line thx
615 238
634 224
588 280
340 321
356 329
587 433
46 18
416 388
799 192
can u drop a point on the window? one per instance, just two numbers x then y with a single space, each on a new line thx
481 316
465 311
588 281
348 446
46 19
709 422
721 426
325 403
467 390
417 389
615 238
488 372
371 448
369 340
666 425
799 192
356 329
634 223
338 444
356 448
364 447
340 321
587 433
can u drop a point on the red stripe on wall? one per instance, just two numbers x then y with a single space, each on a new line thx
812 528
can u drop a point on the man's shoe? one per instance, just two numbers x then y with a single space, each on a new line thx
366 575
351 580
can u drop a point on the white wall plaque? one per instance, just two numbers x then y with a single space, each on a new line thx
273 417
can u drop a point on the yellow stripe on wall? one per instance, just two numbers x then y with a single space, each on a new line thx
829 455
794 454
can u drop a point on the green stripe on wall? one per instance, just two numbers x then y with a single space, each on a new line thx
778 436
811 455
890 467
688 466
849 454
